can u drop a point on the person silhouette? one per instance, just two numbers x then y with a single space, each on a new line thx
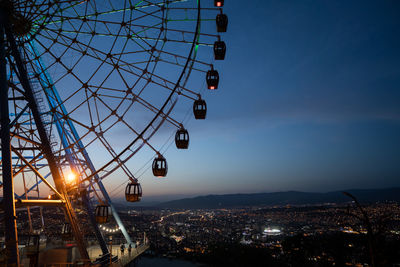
122 249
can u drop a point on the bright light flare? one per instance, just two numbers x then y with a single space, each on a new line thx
71 177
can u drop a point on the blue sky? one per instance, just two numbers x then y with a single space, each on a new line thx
309 100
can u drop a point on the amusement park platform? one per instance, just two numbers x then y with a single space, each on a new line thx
69 256
122 260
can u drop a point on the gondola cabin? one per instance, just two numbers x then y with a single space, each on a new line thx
219 50
219 3
133 192
32 247
212 79
182 139
160 167
199 109
102 214
66 232
222 22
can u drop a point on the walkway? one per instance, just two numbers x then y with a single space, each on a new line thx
123 260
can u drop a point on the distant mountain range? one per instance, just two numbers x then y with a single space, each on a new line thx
282 198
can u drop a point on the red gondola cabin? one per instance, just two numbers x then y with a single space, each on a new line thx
212 79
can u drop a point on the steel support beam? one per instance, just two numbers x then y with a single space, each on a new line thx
10 220
46 147
54 101
38 174
19 203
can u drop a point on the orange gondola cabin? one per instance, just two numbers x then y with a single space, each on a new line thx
133 192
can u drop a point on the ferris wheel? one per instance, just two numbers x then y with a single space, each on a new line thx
86 87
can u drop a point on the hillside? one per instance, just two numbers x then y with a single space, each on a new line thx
281 198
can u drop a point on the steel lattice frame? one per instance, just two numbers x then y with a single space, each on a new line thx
98 69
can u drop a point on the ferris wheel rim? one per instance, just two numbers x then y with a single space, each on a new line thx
163 112
162 108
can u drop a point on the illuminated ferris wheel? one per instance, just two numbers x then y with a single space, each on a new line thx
85 87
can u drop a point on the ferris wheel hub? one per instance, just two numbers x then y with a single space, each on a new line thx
21 24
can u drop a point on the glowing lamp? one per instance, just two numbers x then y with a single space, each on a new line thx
218 3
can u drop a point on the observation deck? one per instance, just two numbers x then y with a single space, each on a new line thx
118 259
65 256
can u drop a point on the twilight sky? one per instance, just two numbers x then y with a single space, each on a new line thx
309 100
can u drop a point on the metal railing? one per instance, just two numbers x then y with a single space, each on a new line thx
130 256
